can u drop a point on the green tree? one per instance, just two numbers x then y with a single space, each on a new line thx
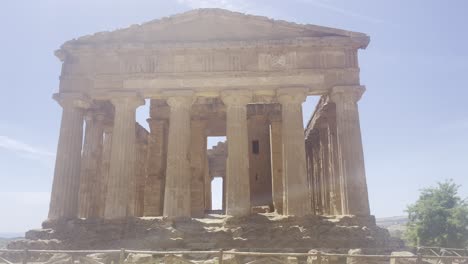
438 218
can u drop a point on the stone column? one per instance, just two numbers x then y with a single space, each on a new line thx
324 166
355 200
197 164
177 191
335 193
296 198
276 164
141 168
207 185
237 165
310 172
65 187
316 179
105 165
154 187
122 159
91 177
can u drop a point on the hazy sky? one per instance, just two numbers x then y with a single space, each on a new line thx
414 115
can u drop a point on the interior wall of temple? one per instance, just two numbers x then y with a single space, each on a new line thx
259 160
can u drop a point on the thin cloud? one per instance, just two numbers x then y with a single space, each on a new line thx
22 148
342 11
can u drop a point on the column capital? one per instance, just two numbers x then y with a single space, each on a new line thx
291 95
126 99
236 97
77 100
179 99
347 93
95 114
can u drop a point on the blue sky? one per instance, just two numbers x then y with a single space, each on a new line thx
414 115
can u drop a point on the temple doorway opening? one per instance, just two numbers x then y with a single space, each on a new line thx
217 190
216 172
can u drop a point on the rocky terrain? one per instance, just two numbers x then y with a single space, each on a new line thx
261 231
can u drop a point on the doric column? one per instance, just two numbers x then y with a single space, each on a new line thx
355 200
141 168
296 198
154 186
105 165
207 185
122 159
177 191
276 164
316 200
197 164
237 164
91 178
324 166
65 188
335 192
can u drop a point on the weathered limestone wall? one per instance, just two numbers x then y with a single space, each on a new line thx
259 160
276 149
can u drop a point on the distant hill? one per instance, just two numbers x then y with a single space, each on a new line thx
5 238
396 225
4 241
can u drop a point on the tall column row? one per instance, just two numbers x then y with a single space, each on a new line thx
108 178
336 162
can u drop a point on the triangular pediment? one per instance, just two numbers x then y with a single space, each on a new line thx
207 25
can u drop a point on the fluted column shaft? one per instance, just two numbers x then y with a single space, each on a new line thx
197 164
237 164
207 177
177 191
276 165
355 199
65 187
296 198
154 186
140 169
91 180
122 162
335 193
325 168
105 166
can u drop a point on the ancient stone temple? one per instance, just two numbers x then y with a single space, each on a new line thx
210 72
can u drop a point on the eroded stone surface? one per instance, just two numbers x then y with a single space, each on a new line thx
264 231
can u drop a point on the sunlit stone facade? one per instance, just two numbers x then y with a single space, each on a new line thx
210 72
